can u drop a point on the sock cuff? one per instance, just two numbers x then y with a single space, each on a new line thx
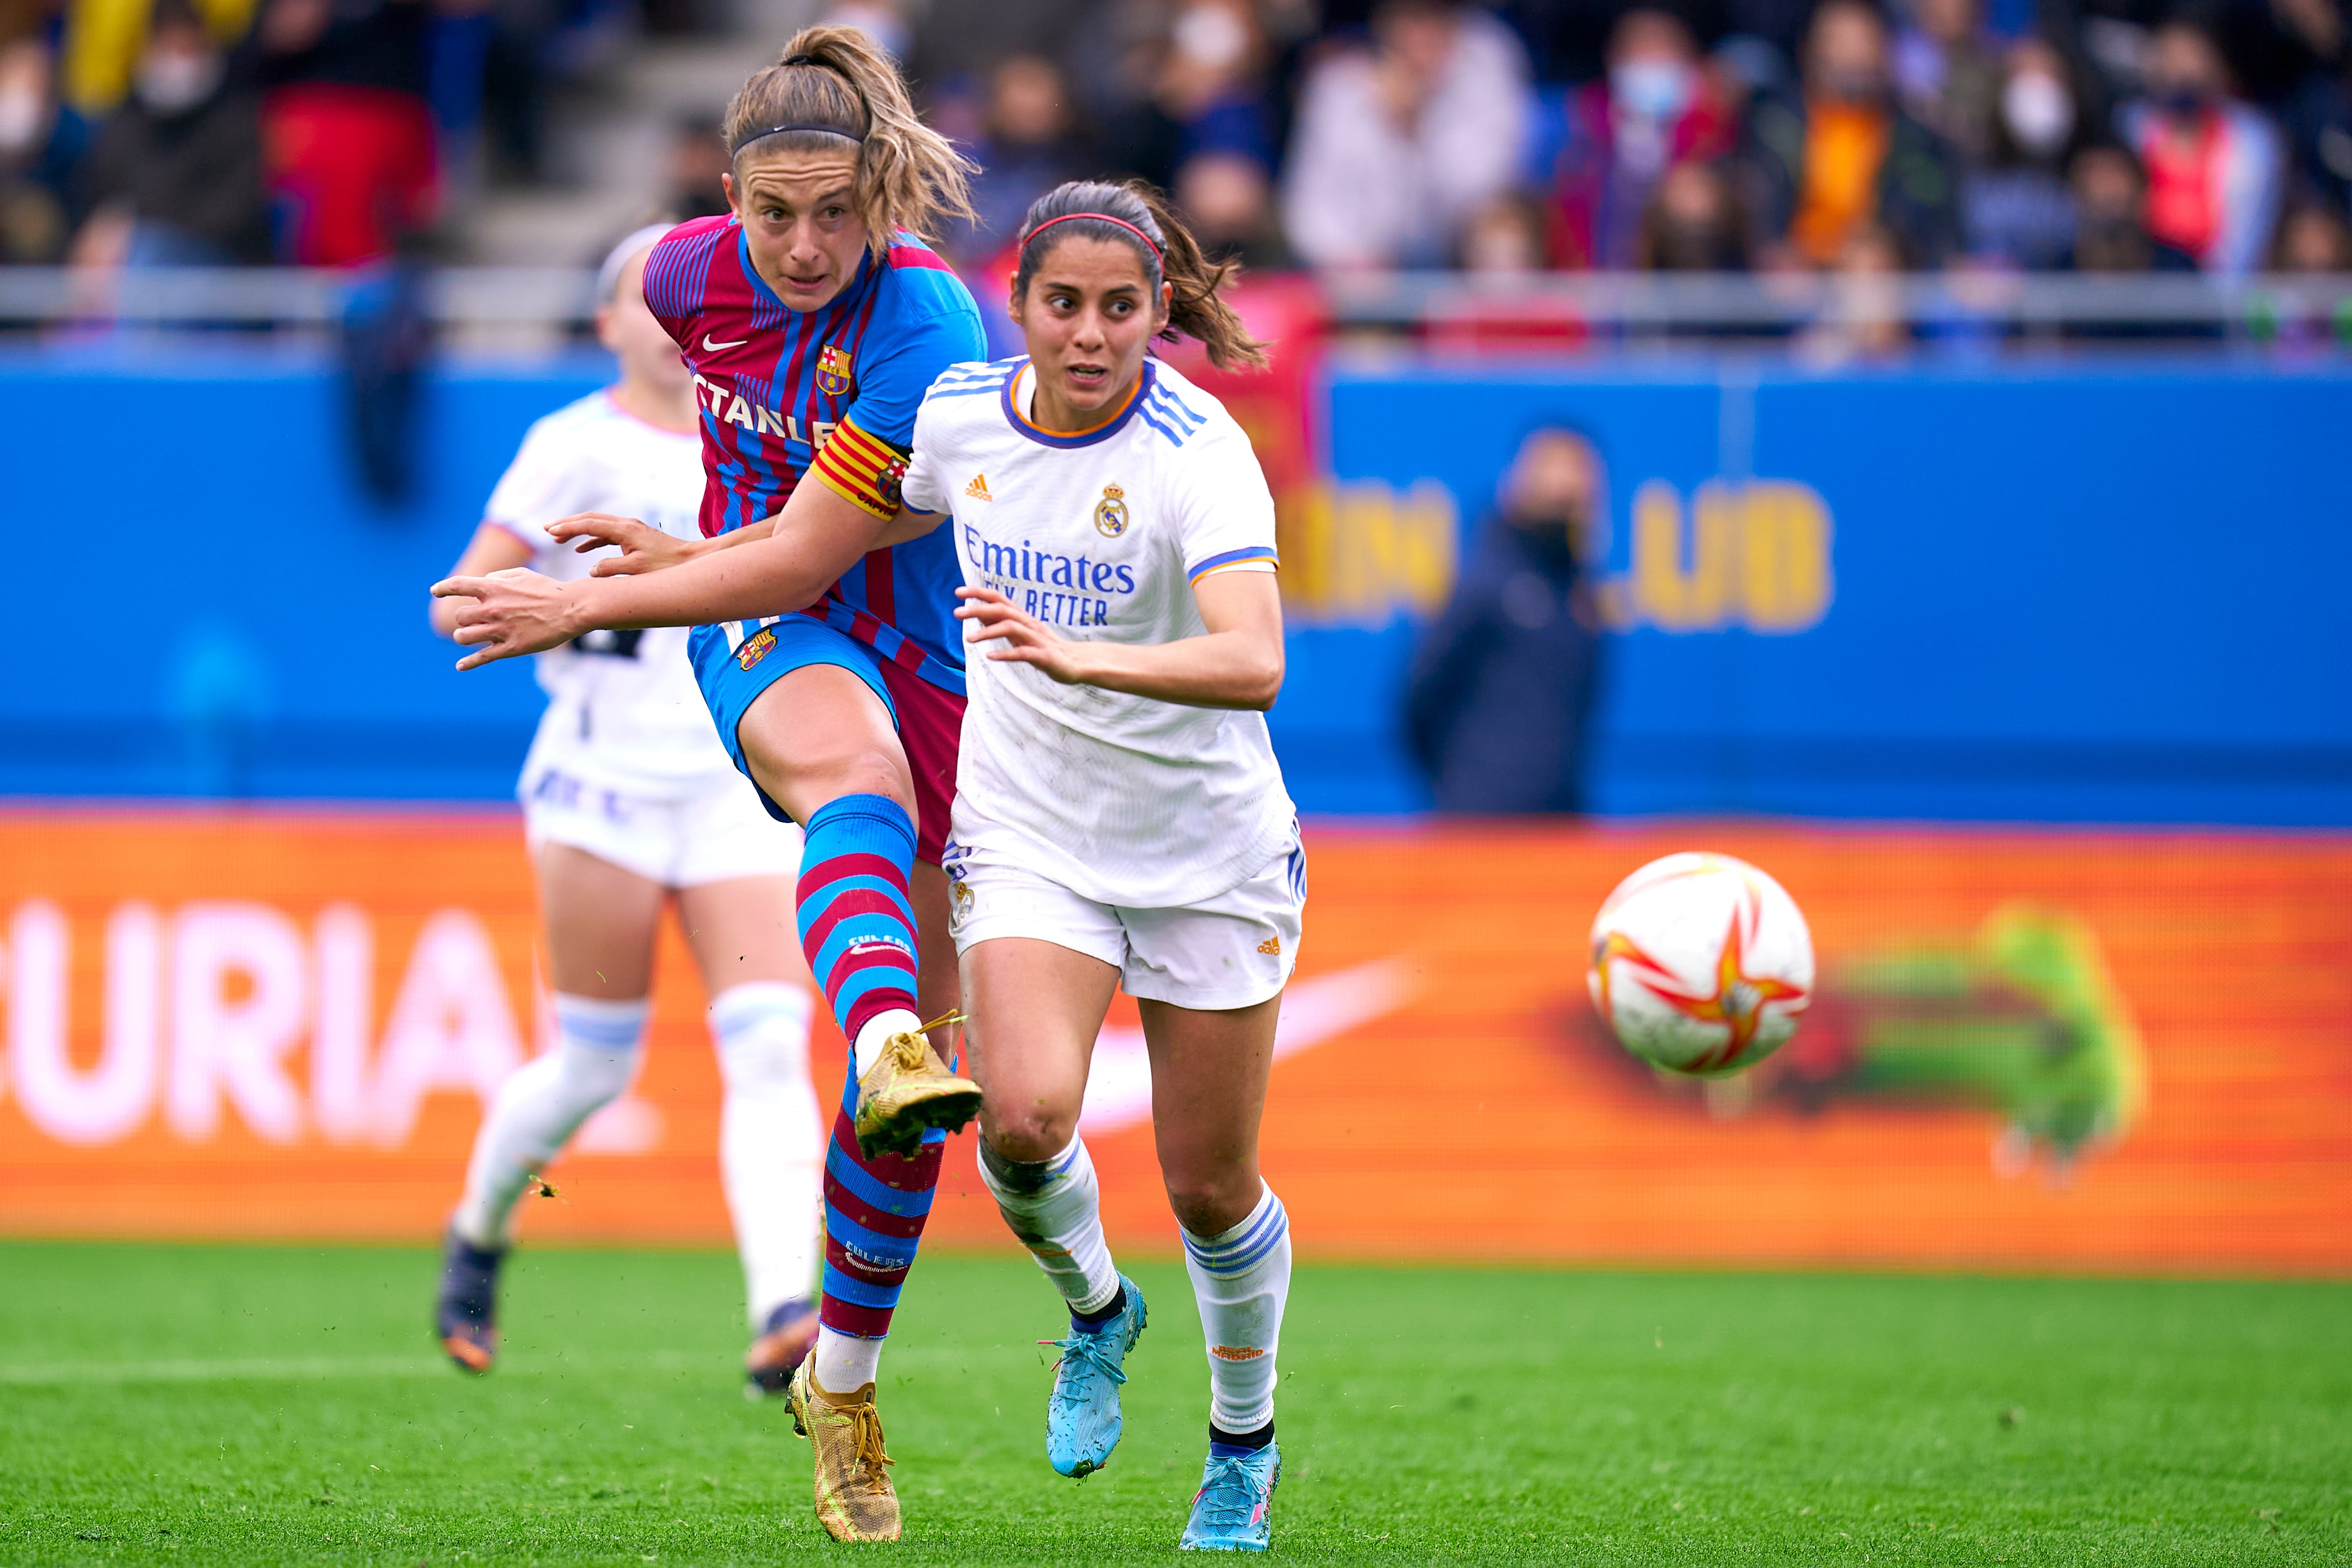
607 1025
859 815
1027 1178
1247 1245
755 1001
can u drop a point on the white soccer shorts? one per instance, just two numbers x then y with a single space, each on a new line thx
1234 950
710 830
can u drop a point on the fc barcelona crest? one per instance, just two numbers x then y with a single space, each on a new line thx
1110 512
831 371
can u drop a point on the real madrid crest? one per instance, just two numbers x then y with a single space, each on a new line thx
1110 512
831 371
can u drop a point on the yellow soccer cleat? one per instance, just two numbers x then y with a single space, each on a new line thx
908 1092
855 1499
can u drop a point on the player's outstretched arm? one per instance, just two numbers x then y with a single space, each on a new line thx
1237 663
493 548
511 614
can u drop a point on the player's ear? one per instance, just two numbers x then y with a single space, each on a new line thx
727 185
1167 305
1012 301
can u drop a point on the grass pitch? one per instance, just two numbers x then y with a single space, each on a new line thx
268 1405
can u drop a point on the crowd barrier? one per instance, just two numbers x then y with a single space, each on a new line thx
2114 1051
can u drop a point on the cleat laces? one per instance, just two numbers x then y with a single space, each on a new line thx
913 1048
1228 1498
1090 1349
866 1442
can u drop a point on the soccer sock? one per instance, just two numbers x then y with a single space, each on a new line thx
874 1207
857 921
1241 1278
540 1105
770 1139
1054 1207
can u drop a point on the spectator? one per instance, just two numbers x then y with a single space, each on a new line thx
1864 317
2212 163
348 128
697 160
2019 209
1230 201
103 41
1211 81
2110 222
1845 156
1948 74
2312 238
173 177
1657 108
1693 223
1505 238
1497 707
1026 150
34 166
1398 144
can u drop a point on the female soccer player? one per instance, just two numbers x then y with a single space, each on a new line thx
1119 817
813 319
628 797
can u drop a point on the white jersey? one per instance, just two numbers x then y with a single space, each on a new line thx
623 707
1127 800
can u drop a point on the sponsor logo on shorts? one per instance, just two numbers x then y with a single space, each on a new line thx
1236 1352
755 648
1271 947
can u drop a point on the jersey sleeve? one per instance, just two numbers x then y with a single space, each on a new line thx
544 482
922 489
866 461
1224 513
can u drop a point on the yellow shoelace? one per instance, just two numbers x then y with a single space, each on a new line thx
913 1048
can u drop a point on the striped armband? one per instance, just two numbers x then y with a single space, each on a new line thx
863 470
1255 558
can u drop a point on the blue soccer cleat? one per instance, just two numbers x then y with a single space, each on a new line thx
1229 1511
465 1308
1082 1419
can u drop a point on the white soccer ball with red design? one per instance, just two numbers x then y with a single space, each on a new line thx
1701 964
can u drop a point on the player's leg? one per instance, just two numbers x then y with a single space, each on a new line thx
599 919
771 1136
1036 1007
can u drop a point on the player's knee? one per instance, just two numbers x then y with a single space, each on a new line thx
1028 1133
761 1030
1210 1203
594 1076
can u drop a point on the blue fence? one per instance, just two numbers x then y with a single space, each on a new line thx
2062 593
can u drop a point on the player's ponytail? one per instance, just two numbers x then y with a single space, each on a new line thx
1132 214
833 84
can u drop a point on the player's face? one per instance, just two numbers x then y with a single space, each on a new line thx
1088 316
625 327
801 222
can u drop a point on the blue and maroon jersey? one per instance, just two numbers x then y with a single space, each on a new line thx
786 393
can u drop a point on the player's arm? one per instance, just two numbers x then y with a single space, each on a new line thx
1237 662
493 548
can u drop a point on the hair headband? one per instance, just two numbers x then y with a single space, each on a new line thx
1149 243
751 136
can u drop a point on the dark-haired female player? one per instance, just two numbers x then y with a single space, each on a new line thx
813 319
1119 817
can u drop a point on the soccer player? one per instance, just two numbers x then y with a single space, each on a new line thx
628 799
813 318
1119 817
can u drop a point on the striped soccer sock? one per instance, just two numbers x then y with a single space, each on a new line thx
1241 1277
874 1207
857 921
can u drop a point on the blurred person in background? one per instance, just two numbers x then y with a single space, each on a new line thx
2312 238
173 177
103 41
348 128
2110 216
1228 198
1693 223
2016 205
1505 238
1658 108
2214 165
1500 694
630 802
1397 143
1844 154
1863 317
1027 148
36 150
697 163
1948 73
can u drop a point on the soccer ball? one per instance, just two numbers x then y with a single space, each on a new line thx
1701 964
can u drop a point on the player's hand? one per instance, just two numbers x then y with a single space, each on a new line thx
988 616
509 613
643 547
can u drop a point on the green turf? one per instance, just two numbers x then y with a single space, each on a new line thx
262 1405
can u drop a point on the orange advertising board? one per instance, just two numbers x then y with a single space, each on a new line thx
285 1023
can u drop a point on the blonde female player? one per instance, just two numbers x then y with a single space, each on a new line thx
1119 817
629 799
812 317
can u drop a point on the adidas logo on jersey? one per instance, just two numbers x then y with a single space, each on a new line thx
1272 946
978 488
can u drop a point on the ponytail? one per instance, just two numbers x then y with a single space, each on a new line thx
833 84
1132 214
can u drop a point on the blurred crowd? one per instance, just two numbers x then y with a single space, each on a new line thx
2108 136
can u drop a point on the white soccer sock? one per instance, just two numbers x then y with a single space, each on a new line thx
598 1047
1241 1277
771 1139
1054 1207
878 1031
846 1363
